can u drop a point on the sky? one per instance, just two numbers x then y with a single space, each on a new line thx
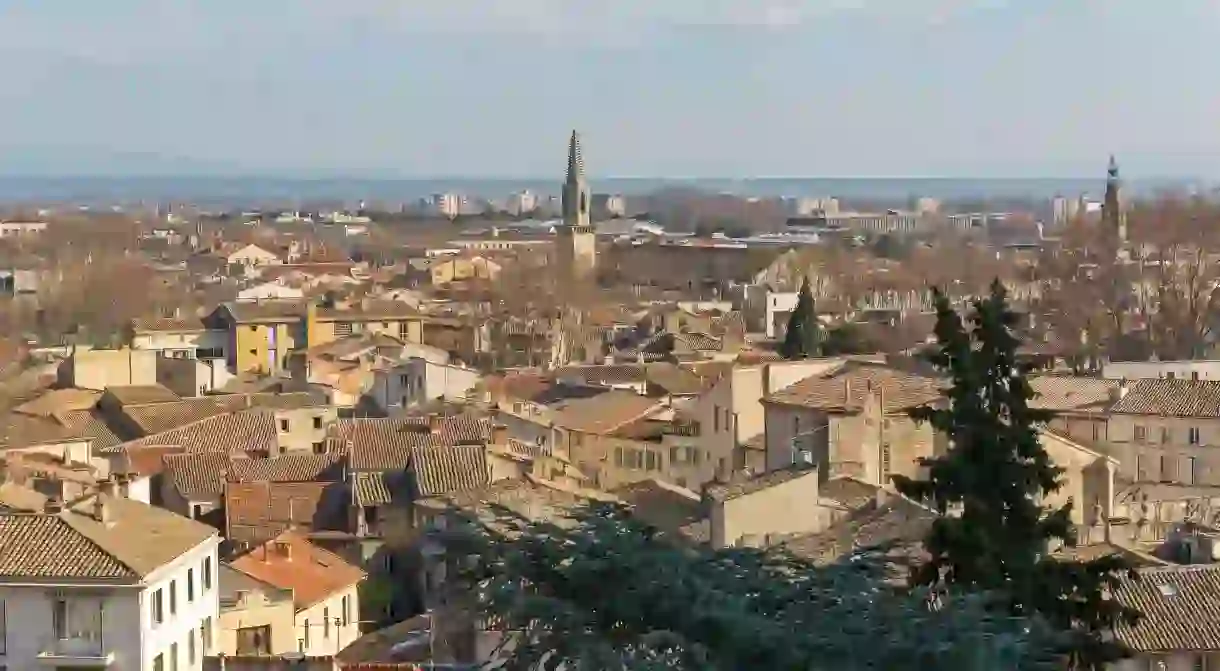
679 88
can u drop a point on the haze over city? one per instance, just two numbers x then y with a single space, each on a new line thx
953 88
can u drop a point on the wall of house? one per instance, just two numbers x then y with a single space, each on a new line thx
186 342
303 429
790 428
1153 448
29 623
258 609
101 368
255 345
790 507
192 377
194 620
1089 428
324 641
1087 478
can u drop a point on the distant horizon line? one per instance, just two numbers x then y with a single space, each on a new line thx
305 177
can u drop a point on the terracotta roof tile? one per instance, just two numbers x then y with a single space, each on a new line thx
1181 607
376 489
385 444
59 401
290 561
137 540
448 469
141 394
252 431
288 468
744 486
197 476
145 461
846 389
167 325
604 413
1064 393
91 424
1171 398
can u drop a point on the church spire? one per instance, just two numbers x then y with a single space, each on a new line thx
1112 172
576 164
1112 211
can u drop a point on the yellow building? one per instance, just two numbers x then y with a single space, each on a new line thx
464 269
262 334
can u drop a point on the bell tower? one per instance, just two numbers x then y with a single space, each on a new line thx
576 247
1112 213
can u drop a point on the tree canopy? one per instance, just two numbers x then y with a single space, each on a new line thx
994 479
803 337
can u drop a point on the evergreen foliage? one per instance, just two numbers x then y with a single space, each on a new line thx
605 592
803 339
993 479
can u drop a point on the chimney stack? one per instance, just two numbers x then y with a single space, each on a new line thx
54 505
499 434
101 501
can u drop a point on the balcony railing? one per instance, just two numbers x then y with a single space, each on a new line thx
68 649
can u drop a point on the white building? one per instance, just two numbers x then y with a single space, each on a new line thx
1201 369
779 307
106 583
418 380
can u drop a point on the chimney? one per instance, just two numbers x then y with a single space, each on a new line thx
1120 392
435 422
54 505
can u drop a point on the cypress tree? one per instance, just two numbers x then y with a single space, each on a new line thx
803 338
994 533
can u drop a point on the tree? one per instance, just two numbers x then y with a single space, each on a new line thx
601 591
849 338
803 339
993 479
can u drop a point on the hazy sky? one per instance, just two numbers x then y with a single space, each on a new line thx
658 87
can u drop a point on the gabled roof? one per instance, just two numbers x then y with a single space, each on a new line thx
136 540
1171 398
1073 393
846 389
290 561
1181 607
604 413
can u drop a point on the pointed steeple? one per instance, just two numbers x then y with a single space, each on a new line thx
1113 170
1112 211
576 164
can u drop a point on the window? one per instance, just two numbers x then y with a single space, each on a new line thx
796 426
1194 375
317 422
347 610
885 459
190 584
1189 475
190 647
326 623
173 657
158 608
207 573
319 447
173 597
618 457
1192 435
305 641
205 635
1141 433
254 640
283 425
1167 469
673 455
715 419
159 663
651 461
253 329
1164 434
404 380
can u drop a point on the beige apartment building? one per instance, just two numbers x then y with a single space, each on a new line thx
1167 430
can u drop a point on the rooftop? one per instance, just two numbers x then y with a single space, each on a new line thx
290 561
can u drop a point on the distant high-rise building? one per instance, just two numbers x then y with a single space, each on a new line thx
445 204
927 205
809 207
522 203
1064 210
576 246
610 205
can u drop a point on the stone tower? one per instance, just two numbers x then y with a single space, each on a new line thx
1113 215
576 248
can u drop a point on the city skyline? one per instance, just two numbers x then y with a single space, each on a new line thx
800 88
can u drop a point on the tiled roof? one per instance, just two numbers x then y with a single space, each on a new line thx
604 374
899 525
385 444
165 416
90 424
668 508
19 430
846 389
1171 398
257 511
287 468
448 469
375 489
1062 393
137 540
246 431
850 492
521 496
1181 607
732 490
290 561
141 394
197 476
604 413
167 325
674 379
145 461
58 401
266 311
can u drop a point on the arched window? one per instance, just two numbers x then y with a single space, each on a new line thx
584 202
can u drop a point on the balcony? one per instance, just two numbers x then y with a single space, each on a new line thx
81 650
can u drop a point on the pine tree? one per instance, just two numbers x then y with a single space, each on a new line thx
994 533
803 338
